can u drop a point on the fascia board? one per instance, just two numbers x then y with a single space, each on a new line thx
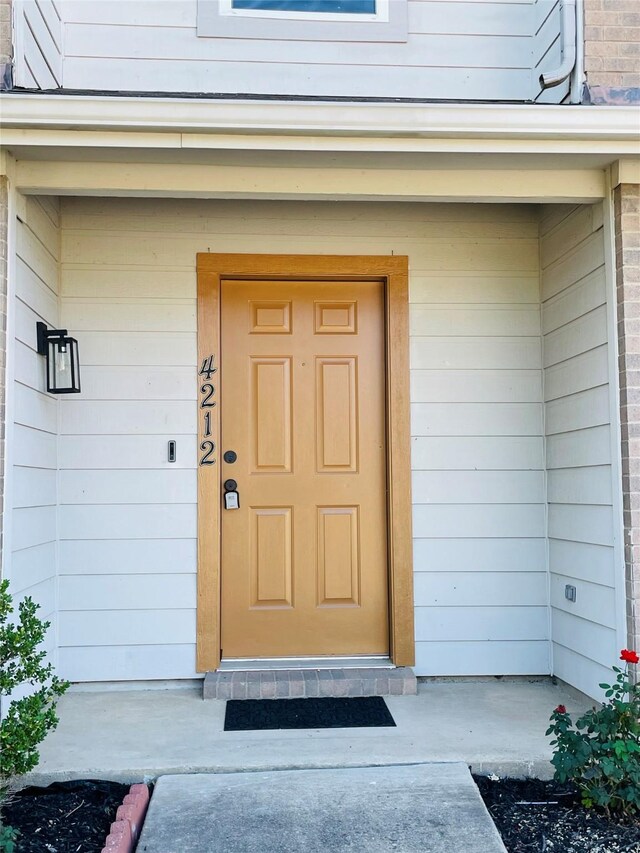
14 137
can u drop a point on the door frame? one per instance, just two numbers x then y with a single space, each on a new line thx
393 272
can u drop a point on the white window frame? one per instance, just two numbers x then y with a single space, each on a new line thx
218 19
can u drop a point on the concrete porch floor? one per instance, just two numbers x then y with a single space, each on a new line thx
127 735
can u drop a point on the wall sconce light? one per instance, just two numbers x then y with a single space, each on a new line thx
61 352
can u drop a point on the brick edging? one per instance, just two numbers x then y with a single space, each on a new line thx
125 830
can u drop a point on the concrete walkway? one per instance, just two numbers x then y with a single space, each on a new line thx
493 726
425 808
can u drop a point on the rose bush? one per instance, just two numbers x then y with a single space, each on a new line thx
600 753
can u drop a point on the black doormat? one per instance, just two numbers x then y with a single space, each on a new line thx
327 713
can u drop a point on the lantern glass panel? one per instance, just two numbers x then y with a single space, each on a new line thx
63 373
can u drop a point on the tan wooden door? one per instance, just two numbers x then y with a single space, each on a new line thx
304 558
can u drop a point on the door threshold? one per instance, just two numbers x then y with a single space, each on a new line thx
254 664
326 678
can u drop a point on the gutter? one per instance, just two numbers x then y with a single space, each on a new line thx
321 119
568 30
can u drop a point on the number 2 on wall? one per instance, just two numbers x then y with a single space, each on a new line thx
208 390
208 447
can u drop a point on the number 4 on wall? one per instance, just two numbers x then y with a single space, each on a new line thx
207 368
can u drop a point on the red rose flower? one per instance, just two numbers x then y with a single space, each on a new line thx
629 656
561 709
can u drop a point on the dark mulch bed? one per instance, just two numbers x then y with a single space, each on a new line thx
67 817
545 817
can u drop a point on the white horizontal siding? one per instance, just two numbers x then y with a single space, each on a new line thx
579 448
128 521
590 485
492 521
479 555
135 381
33 448
581 523
446 321
128 556
105 352
579 667
129 663
128 628
497 453
33 525
128 417
487 353
595 641
489 624
132 452
472 386
586 296
479 487
127 517
465 589
466 288
583 560
31 565
582 410
479 49
34 408
34 487
425 49
176 250
595 603
127 592
111 486
477 419
483 657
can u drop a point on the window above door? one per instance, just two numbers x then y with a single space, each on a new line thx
304 20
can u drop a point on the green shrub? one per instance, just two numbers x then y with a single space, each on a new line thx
600 753
27 720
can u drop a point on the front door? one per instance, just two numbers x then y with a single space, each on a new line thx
304 557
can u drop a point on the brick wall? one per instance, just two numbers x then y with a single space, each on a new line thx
4 216
6 48
627 230
612 50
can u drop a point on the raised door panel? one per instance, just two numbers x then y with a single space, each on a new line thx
271 414
271 557
335 318
336 414
270 317
338 559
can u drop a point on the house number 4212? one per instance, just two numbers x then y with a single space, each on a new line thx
207 393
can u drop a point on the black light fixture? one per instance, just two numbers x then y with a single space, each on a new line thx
61 352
